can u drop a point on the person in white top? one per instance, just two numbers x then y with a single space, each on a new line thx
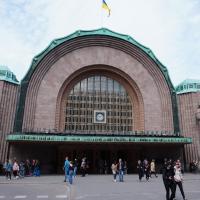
114 170
16 170
153 168
178 178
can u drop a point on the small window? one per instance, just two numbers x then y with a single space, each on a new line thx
191 86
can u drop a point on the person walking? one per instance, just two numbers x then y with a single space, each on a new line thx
21 169
66 169
146 169
75 167
8 169
114 171
153 168
168 180
83 167
36 168
32 167
16 170
125 167
178 178
140 170
71 172
121 170
27 168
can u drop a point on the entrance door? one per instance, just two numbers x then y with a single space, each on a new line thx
104 162
99 156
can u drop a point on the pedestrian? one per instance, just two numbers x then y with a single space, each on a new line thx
193 166
83 167
71 172
27 167
66 169
140 169
87 166
8 169
120 167
36 168
125 168
153 168
21 169
168 179
146 169
15 169
178 178
75 167
32 167
114 171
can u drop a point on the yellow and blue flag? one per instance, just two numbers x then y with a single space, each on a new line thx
105 6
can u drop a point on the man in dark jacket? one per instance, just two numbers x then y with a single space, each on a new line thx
168 179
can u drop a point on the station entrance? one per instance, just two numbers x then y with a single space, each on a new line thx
101 156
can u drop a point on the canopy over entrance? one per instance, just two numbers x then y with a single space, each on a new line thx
51 150
98 139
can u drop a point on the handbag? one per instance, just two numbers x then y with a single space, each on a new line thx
178 178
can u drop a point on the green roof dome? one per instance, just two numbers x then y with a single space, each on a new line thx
7 75
188 85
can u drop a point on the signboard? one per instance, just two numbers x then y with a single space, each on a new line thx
98 139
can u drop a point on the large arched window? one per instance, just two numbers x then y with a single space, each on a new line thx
98 104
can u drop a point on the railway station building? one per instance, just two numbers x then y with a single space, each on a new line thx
101 95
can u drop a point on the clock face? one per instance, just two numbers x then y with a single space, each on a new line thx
100 117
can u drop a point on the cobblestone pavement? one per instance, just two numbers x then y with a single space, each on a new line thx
98 187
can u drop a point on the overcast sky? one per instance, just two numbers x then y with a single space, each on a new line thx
170 28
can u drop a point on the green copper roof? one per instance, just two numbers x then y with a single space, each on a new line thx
7 75
101 31
188 85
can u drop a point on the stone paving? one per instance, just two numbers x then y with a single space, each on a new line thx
94 187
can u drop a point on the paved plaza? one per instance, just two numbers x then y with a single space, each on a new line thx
98 187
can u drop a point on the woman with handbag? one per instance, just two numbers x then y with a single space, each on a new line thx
178 178
114 170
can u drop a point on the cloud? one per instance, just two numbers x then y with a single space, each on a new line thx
170 28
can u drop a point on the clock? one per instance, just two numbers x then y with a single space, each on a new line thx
99 116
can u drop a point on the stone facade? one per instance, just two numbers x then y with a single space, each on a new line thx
190 124
8 103
55 72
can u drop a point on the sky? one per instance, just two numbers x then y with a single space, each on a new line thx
170 28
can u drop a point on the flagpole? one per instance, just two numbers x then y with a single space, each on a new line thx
105 7
101 14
